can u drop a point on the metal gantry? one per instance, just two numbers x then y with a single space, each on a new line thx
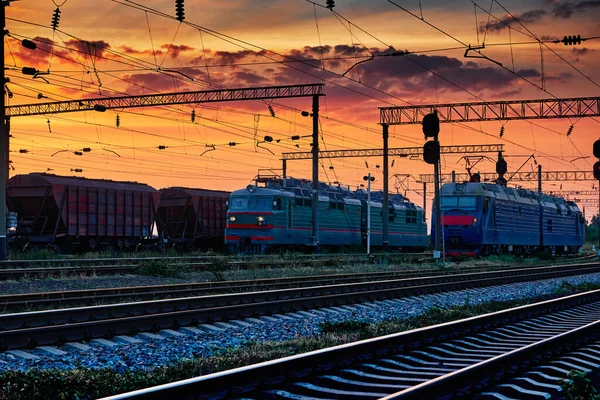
577 107
483 111
163 99
121 102
519 176
569 193
395 152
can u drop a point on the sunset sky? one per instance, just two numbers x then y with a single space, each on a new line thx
112 48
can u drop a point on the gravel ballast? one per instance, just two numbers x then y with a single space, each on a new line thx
150 353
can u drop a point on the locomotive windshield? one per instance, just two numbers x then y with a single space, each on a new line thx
458 201
259 203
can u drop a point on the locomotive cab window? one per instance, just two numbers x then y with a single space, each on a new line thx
251 203
277 204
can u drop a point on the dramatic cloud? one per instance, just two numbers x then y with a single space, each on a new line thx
175 51
558 10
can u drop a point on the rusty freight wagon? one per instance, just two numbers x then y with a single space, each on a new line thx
72 213
192 218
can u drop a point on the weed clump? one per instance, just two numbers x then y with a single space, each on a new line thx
162 268
578 386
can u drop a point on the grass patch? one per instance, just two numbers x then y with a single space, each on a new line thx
567 288
162 268
579 386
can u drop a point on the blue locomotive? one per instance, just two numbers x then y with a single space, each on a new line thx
265 218
484 218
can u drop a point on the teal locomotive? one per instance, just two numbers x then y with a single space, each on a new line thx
275 216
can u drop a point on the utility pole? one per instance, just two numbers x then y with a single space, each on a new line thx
369 179
4 161
431 155
385 213
315 174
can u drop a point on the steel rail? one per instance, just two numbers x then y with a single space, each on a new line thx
475 378
11 302
27 329
272 379
34 272
60 299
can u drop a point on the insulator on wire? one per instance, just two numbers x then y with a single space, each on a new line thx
501 131
231 144
296 137
23 151
76 170
78 153
331 167
162 147
272 111
330 4
571 40
179 10
55 19
86 149
570 130
118 121
193 116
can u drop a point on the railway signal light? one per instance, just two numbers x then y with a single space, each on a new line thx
501 166
431 125
431 152
597 149
597 170
571 40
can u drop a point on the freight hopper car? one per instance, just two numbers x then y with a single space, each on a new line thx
192 218
75 214
484 218
279 216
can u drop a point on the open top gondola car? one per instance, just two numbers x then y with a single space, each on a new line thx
192 218
277 216
72 213
482 218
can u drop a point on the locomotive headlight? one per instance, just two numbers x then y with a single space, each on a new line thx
260 218
232 219
474 223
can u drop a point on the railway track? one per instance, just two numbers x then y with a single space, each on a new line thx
19 269
47 300
32 269
23 330
517 353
